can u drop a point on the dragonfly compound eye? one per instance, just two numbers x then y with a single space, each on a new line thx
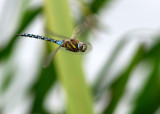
84 47
81 47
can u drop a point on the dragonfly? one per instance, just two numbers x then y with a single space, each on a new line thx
70 44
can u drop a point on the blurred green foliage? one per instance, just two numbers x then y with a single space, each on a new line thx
42 85
27 18
68 68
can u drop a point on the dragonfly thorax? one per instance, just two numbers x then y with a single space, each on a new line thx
74 45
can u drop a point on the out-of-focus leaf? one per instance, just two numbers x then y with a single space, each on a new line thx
45 81
118 86
154 51
7 79
101 75
96 5
148 100
68 66
29 15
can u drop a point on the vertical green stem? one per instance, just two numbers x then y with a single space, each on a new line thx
68 65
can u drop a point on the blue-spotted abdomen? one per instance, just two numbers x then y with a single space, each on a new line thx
38 37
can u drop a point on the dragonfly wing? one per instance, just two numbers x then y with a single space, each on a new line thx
89 22
78 31
89 47
49 32
49 58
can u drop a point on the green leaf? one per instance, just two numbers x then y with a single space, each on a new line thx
102 74
96 5
148 99
41 87
118 86
28 16
7 79
68 65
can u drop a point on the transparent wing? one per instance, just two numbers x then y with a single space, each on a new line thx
89 47
78 31
89 22
49 58
49 32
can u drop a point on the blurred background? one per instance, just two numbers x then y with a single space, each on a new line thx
121 74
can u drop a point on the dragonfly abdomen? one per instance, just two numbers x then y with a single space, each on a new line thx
38 37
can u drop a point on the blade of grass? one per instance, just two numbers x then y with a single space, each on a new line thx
28 17
41 87
68 66
102 74
148 100
8 77
118 86
96 5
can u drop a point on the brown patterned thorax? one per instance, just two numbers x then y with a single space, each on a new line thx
71 45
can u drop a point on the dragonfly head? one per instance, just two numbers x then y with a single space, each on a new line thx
82 46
